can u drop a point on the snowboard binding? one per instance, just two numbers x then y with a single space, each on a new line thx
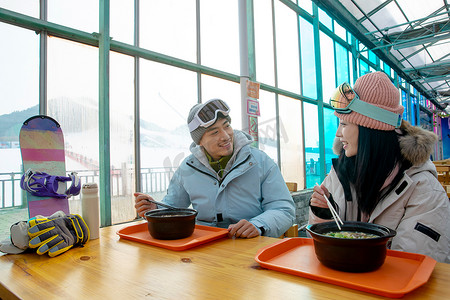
44 185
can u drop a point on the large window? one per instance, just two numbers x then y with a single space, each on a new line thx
122 137
73 103
404 96
264 56
82 14
169 27
122 20
288 66
342 67
331 123
26 7
219 34
19 100
291 141
187 51
309 85
213 87
312 155
166 96
267 125
328 67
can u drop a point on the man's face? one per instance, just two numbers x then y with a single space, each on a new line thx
218 139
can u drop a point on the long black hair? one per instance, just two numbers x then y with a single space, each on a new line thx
378 155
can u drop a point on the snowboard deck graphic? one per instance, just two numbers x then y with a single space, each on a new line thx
42 148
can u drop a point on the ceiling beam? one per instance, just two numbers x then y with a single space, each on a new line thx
440 64
432 38
433 78
413 23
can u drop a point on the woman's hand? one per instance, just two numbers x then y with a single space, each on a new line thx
317 198
243 229
142 204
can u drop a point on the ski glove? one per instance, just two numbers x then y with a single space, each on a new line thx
58 235
19 240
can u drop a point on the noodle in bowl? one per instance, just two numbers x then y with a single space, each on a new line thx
357 247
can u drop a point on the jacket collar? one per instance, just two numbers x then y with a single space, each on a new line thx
240 153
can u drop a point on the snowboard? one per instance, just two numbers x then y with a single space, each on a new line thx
42 148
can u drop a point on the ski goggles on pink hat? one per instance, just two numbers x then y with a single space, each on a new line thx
344 100
207 114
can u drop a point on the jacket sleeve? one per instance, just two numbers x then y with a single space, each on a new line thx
425 225
176 193
277 204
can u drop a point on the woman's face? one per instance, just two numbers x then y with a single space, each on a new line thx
348 136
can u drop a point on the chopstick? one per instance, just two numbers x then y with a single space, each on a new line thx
336 217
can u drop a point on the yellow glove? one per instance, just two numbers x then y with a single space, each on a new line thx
56 236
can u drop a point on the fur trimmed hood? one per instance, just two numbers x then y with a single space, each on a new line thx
416 143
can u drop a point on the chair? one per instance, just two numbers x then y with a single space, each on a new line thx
293 230
292 186
443 171
441 162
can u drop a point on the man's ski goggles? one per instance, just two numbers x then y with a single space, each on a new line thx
345 100
207 114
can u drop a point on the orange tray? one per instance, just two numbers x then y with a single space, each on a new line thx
202 234
401 272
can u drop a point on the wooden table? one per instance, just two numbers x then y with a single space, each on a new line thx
114 268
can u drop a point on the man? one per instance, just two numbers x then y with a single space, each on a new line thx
231 184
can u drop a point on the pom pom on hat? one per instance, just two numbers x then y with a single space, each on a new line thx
377 89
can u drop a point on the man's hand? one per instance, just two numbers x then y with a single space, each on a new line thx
243 229
142 204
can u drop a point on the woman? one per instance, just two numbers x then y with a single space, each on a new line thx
383 174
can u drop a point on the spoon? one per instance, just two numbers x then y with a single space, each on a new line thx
162 204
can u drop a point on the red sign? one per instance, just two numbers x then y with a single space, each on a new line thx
253 89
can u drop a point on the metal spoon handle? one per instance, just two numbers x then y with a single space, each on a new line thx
162 204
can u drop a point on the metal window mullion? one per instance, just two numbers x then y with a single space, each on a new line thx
418 109
275 67
43 60
199 50
104 126
245 47
320 109
52 29
302 104
137 118
355 59
409 102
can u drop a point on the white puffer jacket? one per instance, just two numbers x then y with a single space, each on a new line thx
417 208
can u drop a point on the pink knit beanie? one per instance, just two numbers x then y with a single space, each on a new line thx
377 89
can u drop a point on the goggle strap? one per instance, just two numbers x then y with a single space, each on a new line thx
375 112
194 124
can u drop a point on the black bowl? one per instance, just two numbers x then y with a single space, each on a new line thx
351 255
171 224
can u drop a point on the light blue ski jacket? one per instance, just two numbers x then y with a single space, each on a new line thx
252 188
